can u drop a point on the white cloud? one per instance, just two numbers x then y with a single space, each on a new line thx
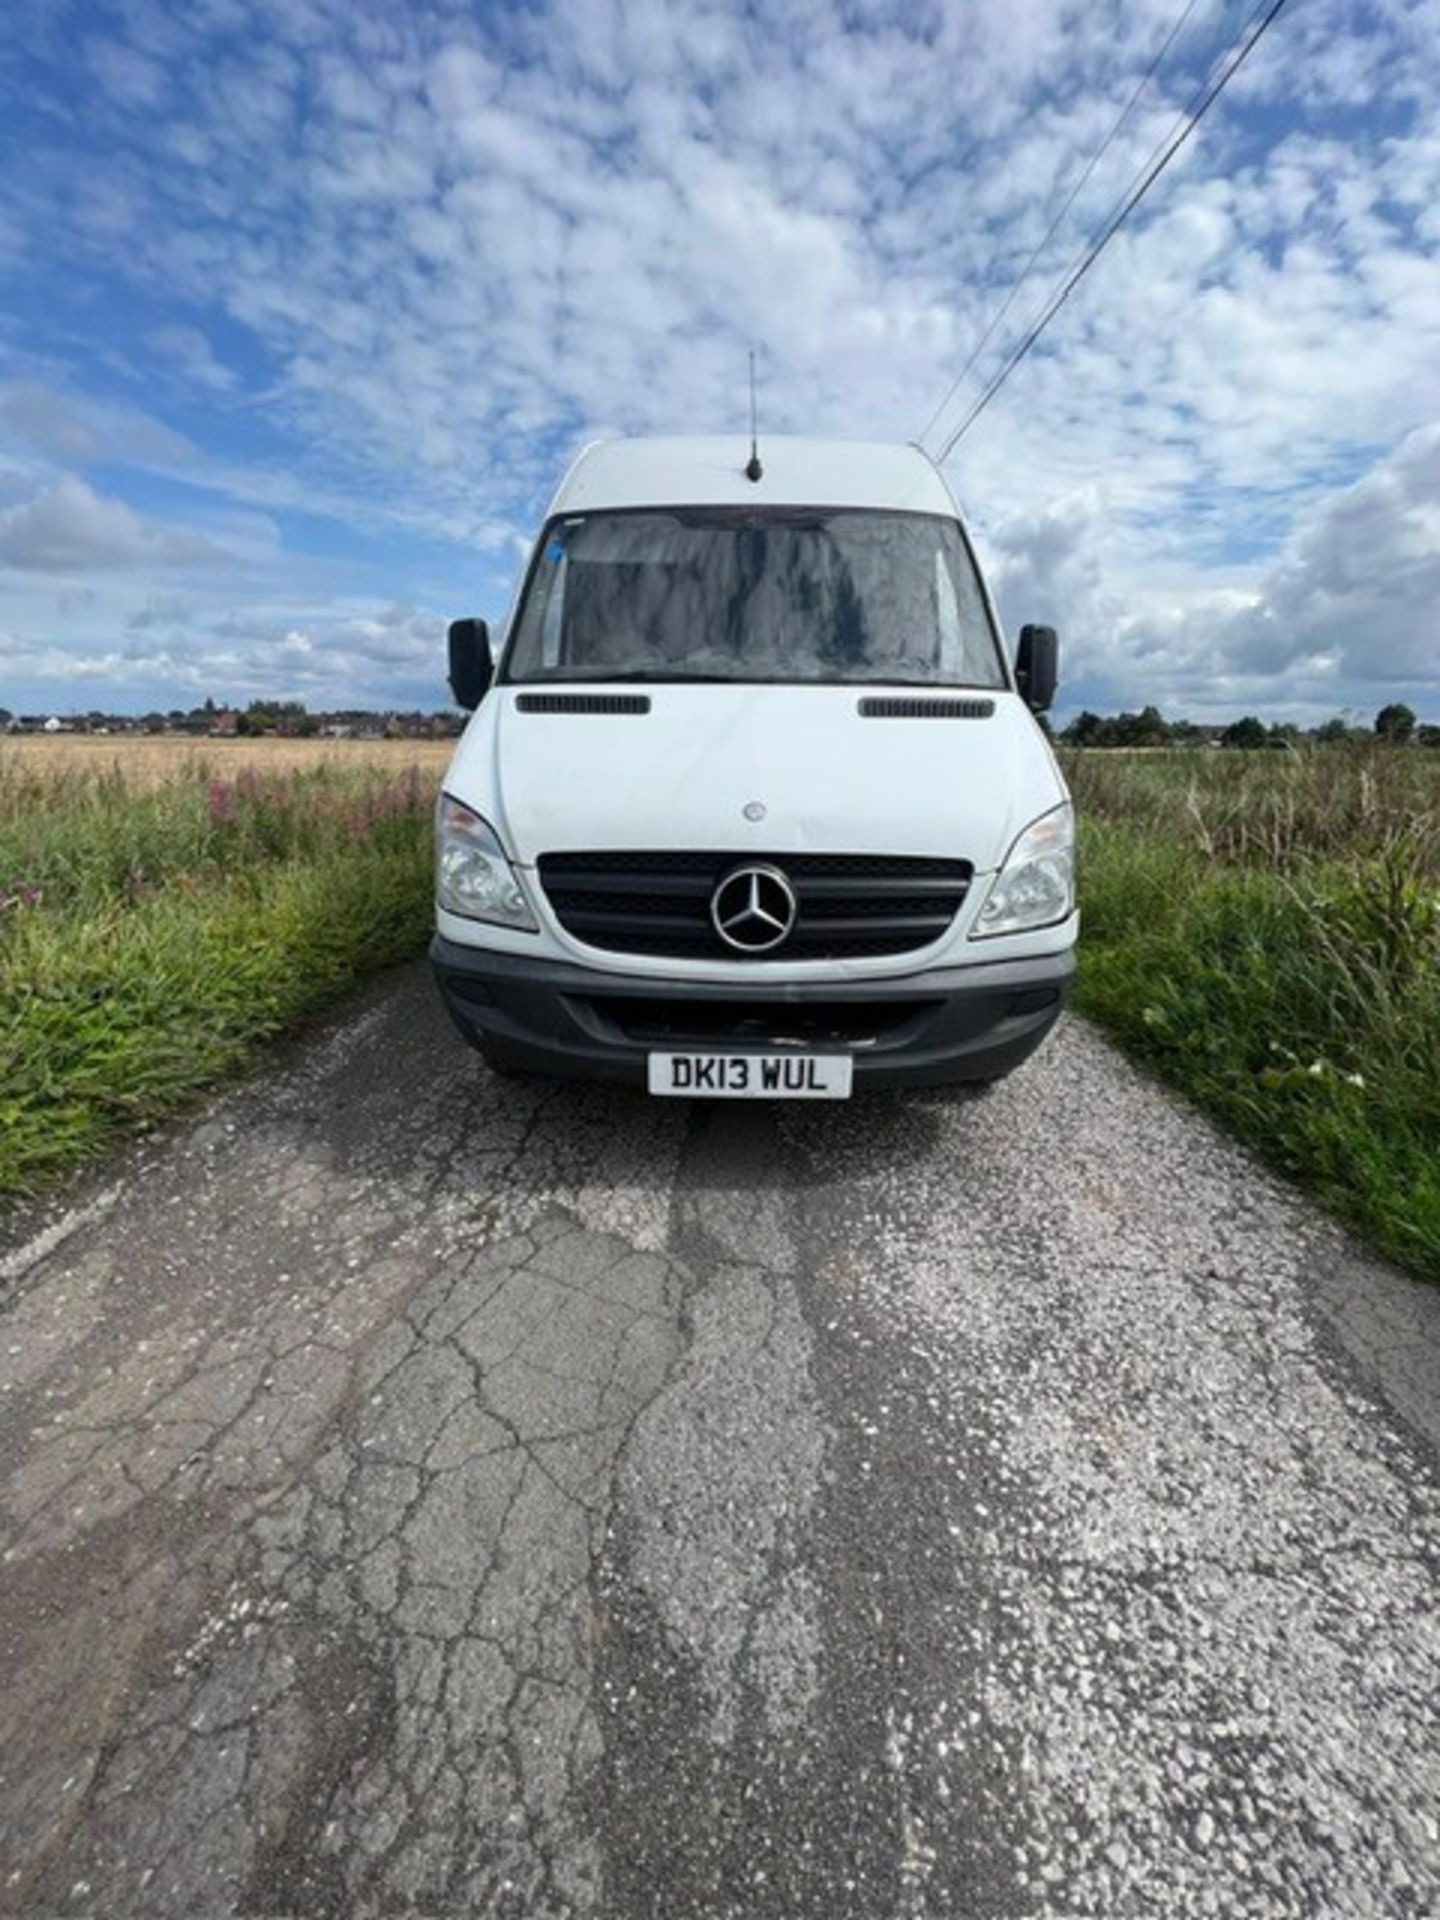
458 244
1356 596
187 350
160 610
1347 614
181 650
48 421
71 528
126 76
39 418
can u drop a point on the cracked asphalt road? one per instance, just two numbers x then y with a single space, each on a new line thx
428 1494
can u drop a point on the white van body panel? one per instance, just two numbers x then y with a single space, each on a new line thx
709 472
828 779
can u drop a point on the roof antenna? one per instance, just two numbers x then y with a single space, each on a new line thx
753 468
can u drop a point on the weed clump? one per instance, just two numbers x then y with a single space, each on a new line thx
1267 936
151 939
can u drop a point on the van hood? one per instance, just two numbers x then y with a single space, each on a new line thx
691 772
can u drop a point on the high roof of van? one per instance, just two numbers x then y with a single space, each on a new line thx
710 471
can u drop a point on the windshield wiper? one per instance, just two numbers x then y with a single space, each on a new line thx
631 674
752 519
656 676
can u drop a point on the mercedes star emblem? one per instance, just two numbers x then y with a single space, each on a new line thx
753 909
754 809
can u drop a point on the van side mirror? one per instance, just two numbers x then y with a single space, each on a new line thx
1037 661
471 668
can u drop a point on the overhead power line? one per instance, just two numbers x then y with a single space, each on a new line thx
1190 119
1116 128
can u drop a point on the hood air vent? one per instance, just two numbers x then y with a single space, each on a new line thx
894 708
583 703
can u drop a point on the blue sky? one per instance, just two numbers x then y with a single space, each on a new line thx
303 308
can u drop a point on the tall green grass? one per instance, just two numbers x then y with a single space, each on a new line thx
150 941
1264 930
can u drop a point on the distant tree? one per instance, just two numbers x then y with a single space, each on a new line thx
1332 733
1248 732
1283 734
1395 723
269 713
5 718
1185 733
1144 729
1148 728
1428 736
1084 730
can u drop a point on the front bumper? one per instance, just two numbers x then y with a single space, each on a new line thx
951 1024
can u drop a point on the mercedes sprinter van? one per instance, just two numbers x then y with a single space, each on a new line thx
752 803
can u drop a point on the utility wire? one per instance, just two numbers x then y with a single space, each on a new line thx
1191 118
1054 227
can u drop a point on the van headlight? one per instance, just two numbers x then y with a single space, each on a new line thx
1035 886
472 875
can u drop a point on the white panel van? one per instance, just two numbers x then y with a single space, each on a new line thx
753 804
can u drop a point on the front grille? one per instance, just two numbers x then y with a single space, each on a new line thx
851 905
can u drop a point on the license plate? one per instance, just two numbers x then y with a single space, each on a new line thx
751 1076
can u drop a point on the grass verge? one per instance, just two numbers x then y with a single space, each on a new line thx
1299 1002
150 942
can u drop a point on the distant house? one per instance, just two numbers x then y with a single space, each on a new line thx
56 725
224 726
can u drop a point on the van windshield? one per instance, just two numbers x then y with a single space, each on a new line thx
738 594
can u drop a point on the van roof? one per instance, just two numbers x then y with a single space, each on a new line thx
710 471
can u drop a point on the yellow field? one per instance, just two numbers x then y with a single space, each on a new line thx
150 760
